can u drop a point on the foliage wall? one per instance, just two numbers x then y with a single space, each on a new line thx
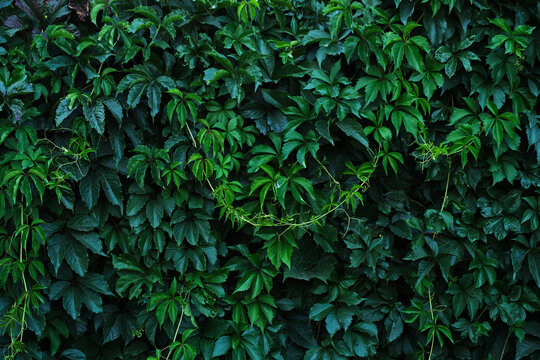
269 179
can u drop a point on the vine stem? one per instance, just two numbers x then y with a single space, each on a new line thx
176 331
504 347
23 318
280 222
447 183
445 197
292 224
432 319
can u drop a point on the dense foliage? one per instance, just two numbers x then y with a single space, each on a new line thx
269 179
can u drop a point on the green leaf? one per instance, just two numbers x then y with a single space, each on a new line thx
279 250
56 250
63 111
332 323
254 349
96 7
59 62
323 128
526 347
89 190
222 346
112 187
90 240
148 12
82 222
315 36
396 329
135 204
353 129
319 311
97 283
154 212
414 58
534 266
308 263
246 281
153 92
73 354
95 115
135 94
115 108
76 256
350 46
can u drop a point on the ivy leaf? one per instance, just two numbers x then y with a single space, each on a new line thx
153 92
332 323
63 111
307 265
56 251
135 94
89 190
115 108
353 129
534 266
95 115
154 212
73 354
319 311
414 58
76 256
279 250
526 347
274 121
112 187
59 62
350 46
396 327
222 346
82 222
90 240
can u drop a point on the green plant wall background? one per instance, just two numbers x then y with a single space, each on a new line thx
269 179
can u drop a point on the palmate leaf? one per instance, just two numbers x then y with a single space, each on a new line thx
279 251
62 247
308 263
274 121
86 291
